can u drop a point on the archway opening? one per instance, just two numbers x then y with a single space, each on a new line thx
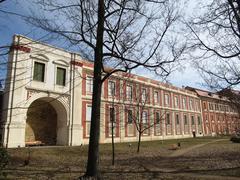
41 123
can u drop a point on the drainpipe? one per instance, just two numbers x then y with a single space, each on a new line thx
12 91
72 87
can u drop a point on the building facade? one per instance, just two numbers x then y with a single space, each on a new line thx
219 115
48 94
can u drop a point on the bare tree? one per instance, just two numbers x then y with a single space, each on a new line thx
121 34
215 37
139 115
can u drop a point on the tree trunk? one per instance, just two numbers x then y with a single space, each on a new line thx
93 150
113 148
139 141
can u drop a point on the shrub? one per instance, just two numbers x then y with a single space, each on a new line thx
4 159
235 139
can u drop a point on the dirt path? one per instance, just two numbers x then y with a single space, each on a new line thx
186 150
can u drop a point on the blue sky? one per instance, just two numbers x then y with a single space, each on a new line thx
11 24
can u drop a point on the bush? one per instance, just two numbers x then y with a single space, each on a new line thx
4 159
235 139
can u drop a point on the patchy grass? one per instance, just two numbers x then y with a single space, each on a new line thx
215 160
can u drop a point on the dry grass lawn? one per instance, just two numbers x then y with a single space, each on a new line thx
199 158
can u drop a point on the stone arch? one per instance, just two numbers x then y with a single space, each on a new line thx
49 115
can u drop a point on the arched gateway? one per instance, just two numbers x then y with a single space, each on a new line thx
46 122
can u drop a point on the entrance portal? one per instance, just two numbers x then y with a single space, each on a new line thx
41 124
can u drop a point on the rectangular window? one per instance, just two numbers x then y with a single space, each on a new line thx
111 88
168 118
166 99
216 107
204 106
157 117
177 119
144 117
89 84
184 100
39 71
129 92
191 104
176 101
112 115
199 120
185 120
197 105
61 76
156 98
130 116
144 95
210 106
89 113
192 118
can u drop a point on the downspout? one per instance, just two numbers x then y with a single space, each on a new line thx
73 56
12 91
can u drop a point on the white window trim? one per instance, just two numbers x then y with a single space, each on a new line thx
89 77
110 94
45 69
131 87
66 75
158 99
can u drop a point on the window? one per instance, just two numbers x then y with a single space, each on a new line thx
111 88
89 113
185 120
168 118
61 76
184 103
130 116
191 104
129 92
204 106
144 117
157 117
176 101
166 99
210 106
192 118
197 105
39 71
206 117
199 120
156 98
216 107
112 115
89 84
227 108
144 95
177 119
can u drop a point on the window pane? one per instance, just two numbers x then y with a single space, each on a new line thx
199 120
129 92
61 73
130 117
111 88
185 120
89 86
193 120
144 118
156 97
177 119
144 95
112 115
157 117
168 118
167 100
89 112
38 74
